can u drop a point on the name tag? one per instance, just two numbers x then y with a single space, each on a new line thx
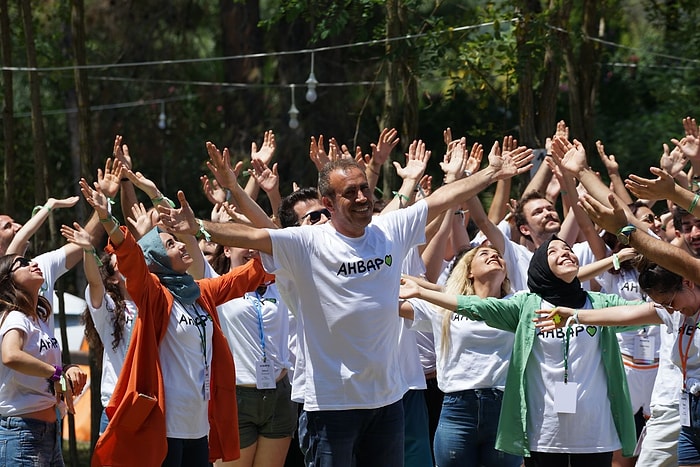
264 375
207 383
565 396
684 408
643 349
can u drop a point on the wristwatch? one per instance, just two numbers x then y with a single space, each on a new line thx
623 235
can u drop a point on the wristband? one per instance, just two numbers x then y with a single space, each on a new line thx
56 374
39 208
160 198
93 252
202 232
694 203
400 196
616 262
576 317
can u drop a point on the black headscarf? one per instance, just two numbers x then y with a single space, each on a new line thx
542 281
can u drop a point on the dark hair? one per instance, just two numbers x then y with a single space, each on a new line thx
678 214
118 314
219 261
324 175
519 214
657 279
13 297
286 214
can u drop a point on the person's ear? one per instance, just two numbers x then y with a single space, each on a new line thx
327 203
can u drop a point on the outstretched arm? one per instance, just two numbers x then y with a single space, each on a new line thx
628 315
670 257
500 166
410 289
21 240
91 262
182 220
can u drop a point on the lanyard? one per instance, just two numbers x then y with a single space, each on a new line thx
257 303
567 337
201 323
684 356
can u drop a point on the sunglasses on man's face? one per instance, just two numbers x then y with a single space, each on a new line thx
315 216
19 262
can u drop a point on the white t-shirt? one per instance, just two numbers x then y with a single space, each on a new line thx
21 393
591 428
626 285
182 358
686 337
53 266
241 326
477 356
112 359
348 292
411 362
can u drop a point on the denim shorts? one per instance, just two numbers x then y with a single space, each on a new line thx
689 439
25 442
269 413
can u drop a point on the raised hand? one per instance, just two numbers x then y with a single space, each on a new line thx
416 162
110 177
266 178
140 219
571 157
388 139
509 164
454 162
609 161
691 127
95 198
673 161
425 187
690 145
212 190
612 219
473 163
77 236
646 188
121 152
267 149
220 165
178 220
317 153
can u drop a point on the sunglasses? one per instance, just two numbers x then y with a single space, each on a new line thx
19 262
650 218
315 216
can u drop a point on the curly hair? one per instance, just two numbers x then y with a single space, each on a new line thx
459 283
118 314
13 297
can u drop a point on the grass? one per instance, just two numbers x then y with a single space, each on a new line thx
83 458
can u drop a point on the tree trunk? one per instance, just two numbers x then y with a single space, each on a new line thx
8 121
38 133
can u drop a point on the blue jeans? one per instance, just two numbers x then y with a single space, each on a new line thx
187 453
416 450
466 433
350 438
25 442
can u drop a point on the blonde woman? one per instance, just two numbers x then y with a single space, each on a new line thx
472 363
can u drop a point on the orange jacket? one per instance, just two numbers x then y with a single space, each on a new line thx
136 432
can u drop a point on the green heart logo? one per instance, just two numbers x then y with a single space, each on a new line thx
387 260
591 330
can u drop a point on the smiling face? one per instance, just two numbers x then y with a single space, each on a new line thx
562 261
685 300
180 260
487 264
351 201
8 229
647 216
306 206
26 274
690 231
542 220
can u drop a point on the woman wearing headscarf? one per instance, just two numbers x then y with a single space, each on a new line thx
174 403
566 400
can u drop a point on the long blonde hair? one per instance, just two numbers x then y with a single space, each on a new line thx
460 282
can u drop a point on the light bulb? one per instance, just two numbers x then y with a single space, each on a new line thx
293 117
311 83
162 122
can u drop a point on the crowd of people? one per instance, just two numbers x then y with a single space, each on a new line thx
342 329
